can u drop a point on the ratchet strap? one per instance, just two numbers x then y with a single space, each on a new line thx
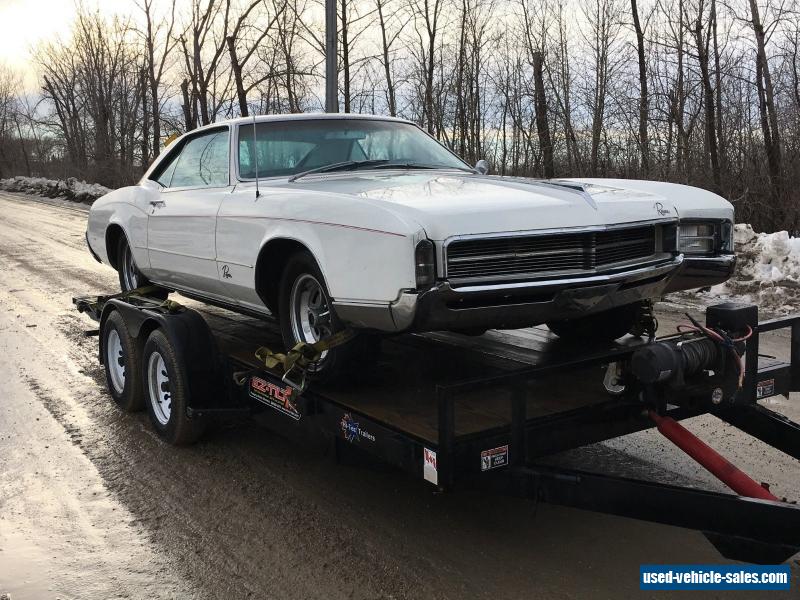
296 362
168 305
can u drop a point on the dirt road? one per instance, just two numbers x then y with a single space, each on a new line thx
93 505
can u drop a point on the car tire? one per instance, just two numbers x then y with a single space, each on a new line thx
130 277
605 326
121 362
303 303
166 392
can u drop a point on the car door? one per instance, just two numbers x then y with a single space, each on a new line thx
244 220
182 221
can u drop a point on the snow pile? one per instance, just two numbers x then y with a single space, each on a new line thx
70 188
767 273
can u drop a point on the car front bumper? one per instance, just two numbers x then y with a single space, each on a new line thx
516 305
699 272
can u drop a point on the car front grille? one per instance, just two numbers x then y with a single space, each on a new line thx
518 257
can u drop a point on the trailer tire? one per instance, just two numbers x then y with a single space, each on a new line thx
121 364
166 392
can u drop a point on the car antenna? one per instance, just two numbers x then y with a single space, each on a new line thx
255 156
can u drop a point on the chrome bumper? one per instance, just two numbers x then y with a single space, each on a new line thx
510 305
698 272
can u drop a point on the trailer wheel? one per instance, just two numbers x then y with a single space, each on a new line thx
121 364
164 379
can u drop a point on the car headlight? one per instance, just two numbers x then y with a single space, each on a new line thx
425 264
705 237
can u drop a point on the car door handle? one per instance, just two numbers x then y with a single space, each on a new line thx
157 203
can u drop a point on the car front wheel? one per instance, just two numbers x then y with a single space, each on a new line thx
306 315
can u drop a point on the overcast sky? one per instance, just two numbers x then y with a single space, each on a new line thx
25 23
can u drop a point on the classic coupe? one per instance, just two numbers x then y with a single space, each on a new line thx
334 221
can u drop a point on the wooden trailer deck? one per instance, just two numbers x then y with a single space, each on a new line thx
402 391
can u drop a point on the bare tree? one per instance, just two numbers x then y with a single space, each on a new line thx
159 46
644 100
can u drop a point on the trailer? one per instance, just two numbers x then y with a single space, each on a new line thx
470 413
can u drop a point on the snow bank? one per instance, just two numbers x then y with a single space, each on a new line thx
70 188
767 273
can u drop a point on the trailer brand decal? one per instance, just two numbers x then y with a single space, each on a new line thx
429 471
765 388
274 396
351 430
494 458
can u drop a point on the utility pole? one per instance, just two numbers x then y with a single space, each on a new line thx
331 75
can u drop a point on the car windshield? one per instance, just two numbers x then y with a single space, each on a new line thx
293 147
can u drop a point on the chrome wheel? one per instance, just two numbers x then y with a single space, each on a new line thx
115 359
310 313
129 274
158 388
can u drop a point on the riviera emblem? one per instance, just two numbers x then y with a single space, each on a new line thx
661 210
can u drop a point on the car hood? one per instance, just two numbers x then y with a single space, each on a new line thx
447 204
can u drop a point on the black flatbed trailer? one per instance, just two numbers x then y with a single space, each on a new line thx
482 413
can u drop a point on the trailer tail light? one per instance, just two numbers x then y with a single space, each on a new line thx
424 264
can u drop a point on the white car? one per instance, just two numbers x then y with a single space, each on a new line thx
329 221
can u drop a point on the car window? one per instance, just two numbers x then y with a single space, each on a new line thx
203 161
275 156
290 147
165 171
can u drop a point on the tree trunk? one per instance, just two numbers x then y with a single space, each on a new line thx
188 119
708 102
644 103
345 56
390 93
542 126
769 115
237 77
145 141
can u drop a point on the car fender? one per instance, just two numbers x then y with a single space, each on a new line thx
357 263
688 202
125 208
360 248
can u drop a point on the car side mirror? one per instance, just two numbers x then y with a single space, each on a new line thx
482 167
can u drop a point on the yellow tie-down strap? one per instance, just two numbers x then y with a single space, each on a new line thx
141 292
295 362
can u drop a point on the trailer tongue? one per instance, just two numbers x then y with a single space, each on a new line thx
469 415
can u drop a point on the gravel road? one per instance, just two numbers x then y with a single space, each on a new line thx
93 505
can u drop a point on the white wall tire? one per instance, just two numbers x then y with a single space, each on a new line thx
166 392
121 364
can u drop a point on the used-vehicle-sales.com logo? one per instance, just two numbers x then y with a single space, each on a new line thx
351 430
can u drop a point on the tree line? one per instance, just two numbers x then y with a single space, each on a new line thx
702 92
